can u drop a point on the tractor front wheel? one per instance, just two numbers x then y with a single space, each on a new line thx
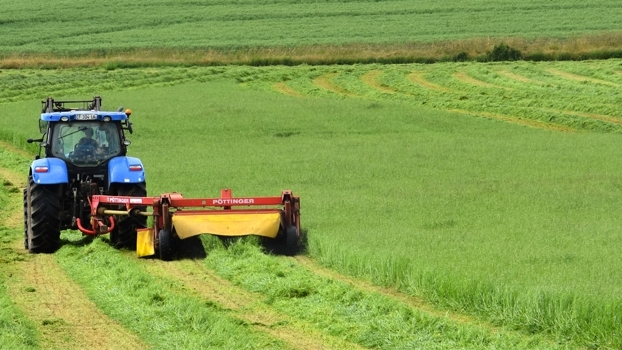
42 217
124 234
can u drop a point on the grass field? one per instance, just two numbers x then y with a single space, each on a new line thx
470 203
217 24
461 204
216 32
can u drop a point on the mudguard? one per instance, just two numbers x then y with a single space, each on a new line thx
125 170
49 171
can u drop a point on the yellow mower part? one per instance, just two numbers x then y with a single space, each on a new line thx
144 242
259 224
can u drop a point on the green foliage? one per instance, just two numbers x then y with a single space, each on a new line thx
503 52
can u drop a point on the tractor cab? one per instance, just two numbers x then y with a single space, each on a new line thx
85 143
81 134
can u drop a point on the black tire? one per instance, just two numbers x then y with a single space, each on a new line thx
124 234
291 241
165 244
25 218
42 218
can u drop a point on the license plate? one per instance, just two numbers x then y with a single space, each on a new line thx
86 116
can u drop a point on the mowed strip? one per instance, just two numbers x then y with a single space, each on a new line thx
244 305
465 78
602 117
65 316
283 88
419 79
325 82
516 120
519 78
371 79
580 78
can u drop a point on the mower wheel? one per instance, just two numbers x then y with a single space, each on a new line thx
165 244
124 234
42 217
291 241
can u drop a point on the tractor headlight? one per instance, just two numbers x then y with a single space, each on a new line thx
64 119
107 119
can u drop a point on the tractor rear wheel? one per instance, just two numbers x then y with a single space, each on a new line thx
124 234
42 217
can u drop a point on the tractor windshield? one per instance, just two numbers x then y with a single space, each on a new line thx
86 143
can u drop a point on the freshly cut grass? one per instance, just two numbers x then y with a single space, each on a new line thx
143 304
16 331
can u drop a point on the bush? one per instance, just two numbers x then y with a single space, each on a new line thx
503 52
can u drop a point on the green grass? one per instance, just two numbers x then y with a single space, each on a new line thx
513 224
148 306
369 319
16 331
211 30
84 26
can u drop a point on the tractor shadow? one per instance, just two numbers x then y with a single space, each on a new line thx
84 241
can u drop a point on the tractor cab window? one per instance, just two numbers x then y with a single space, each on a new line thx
86 143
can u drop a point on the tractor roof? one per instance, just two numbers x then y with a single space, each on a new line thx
83 116
79 110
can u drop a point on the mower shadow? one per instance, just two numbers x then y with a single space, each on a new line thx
189 248
278 247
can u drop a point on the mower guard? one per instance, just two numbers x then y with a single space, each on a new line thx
188 217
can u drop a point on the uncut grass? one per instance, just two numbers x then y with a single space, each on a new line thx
511 223
583 47
370 319
117 26
143 304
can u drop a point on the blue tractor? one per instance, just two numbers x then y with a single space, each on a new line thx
84 154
